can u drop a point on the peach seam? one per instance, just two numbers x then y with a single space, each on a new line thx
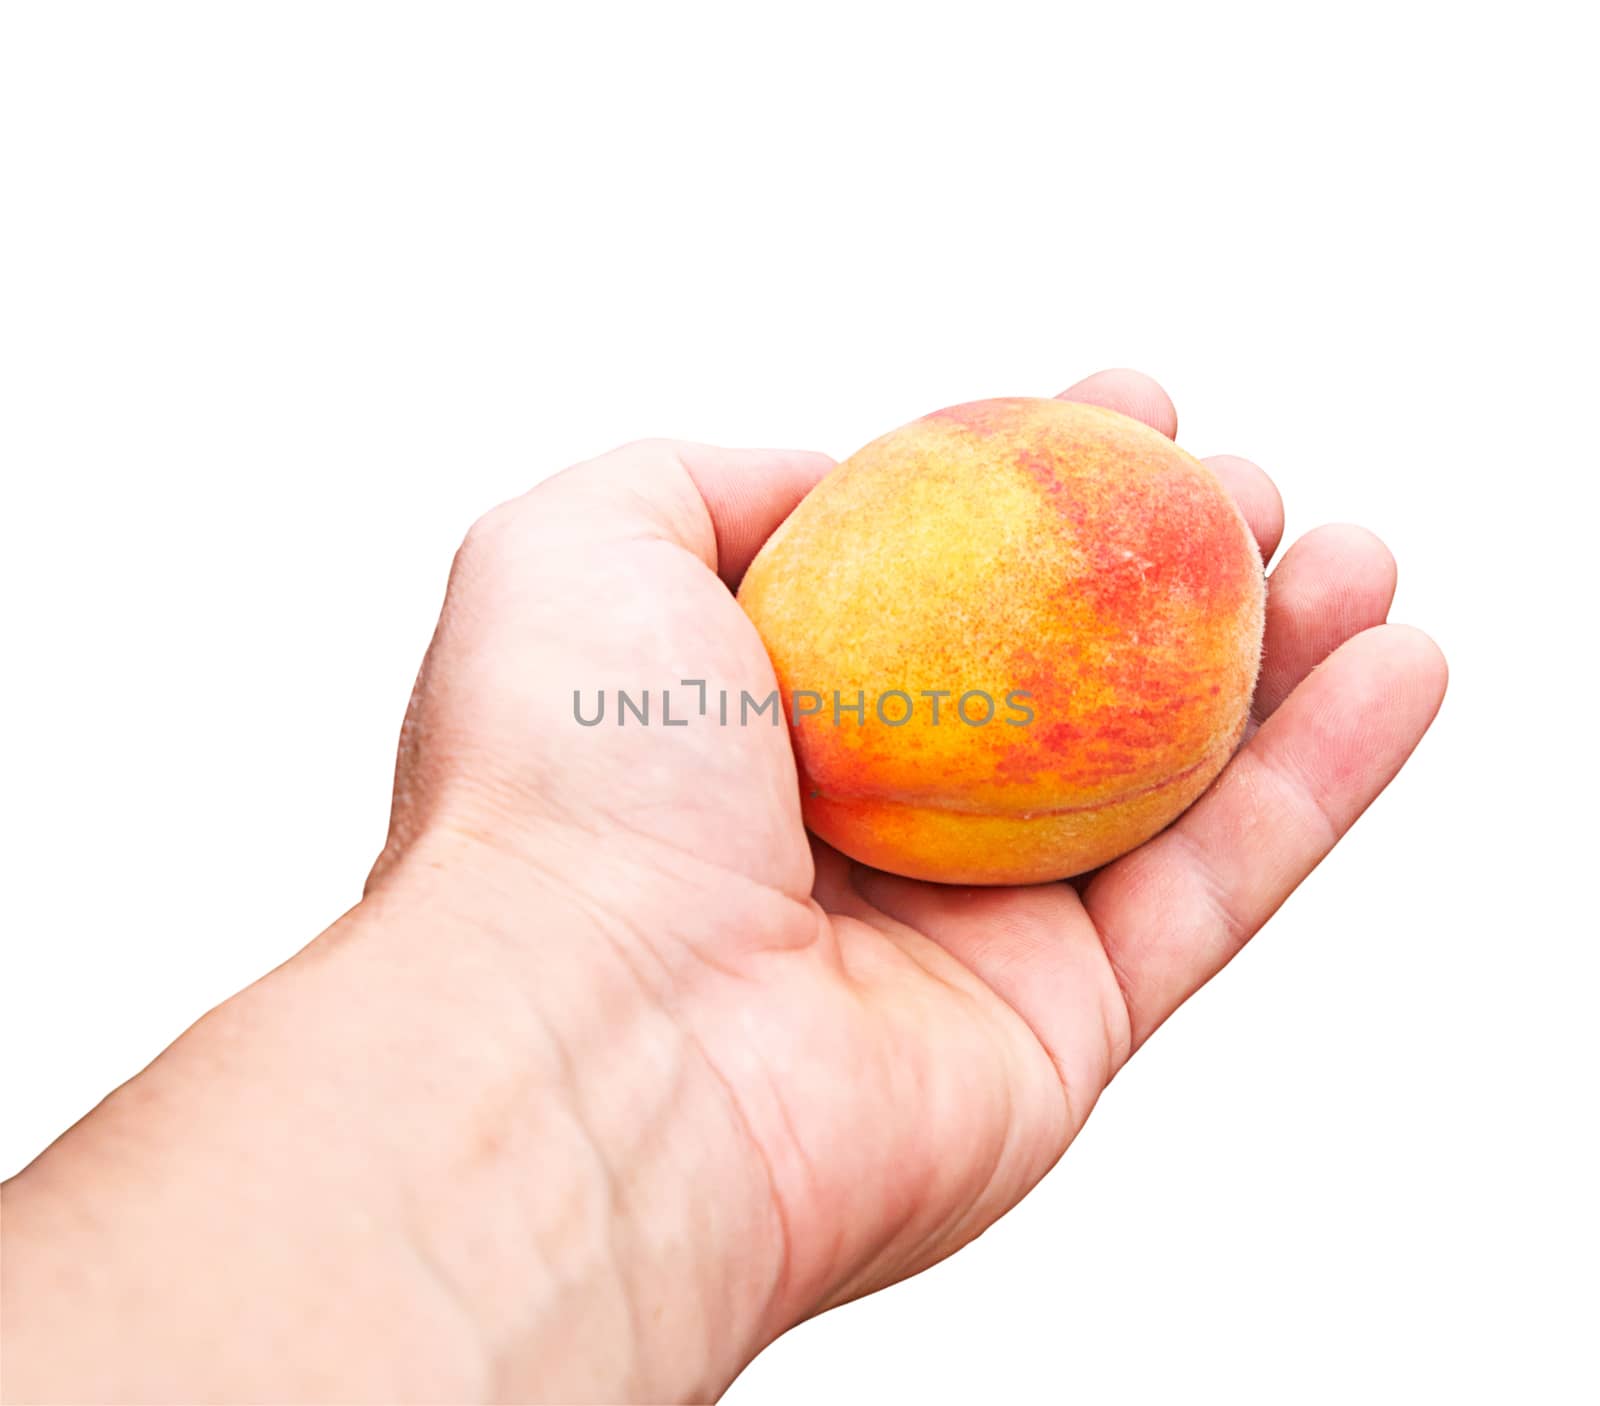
939 805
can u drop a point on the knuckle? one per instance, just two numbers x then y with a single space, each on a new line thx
651 447
487 539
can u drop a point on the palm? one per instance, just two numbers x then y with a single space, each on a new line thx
908 1057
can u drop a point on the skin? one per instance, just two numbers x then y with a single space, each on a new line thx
612 1076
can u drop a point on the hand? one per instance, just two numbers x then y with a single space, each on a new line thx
687 1076
901 1060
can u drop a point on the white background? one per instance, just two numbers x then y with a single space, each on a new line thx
292 293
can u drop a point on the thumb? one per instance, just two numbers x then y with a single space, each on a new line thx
719 504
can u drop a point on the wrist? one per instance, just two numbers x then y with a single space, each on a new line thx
589 1195
458 1147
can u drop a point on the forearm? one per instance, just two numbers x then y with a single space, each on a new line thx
445 1153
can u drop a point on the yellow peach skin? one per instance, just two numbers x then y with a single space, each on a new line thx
1061 561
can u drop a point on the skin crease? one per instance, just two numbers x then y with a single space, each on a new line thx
614 1075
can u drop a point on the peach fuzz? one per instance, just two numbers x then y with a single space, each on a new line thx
1011 547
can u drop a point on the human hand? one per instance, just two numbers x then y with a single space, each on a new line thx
614 1075
891 1063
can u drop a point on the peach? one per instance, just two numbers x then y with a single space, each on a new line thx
1089 579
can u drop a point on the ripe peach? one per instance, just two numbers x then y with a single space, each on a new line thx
1090 579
